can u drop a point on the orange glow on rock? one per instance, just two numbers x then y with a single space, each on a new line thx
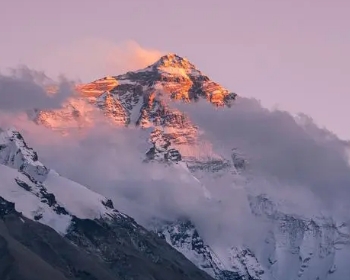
98 87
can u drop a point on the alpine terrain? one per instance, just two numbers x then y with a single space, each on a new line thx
54 228
76 233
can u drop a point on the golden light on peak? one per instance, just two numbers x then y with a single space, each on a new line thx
97 87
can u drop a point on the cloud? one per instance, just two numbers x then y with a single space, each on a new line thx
93 58
290 159
292 154
24 89
109 160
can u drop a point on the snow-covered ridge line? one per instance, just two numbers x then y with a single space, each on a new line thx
42 194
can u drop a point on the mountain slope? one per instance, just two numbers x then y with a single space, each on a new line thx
32 199
31 250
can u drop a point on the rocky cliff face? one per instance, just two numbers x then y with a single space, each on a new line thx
294 248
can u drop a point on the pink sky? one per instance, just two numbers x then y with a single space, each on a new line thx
293 54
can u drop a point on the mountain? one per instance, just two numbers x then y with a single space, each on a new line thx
53 227
293 245
140 98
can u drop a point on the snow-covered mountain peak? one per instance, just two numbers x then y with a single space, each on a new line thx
171 74
144 98
174 59
15 153
137 97
171 61
178 78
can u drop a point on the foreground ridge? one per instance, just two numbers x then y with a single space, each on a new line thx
67 231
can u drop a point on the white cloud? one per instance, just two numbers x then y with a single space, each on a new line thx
93 58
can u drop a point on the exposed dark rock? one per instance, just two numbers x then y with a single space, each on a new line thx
92 250
108 203
23 185
130 251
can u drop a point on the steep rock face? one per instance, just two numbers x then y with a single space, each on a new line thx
245 264
302 248
130 251
112 108
146 95
294 248
183 236
40 215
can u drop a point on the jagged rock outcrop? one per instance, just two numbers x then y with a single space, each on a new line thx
15 153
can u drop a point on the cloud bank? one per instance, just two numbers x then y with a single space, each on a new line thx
293 152
26 89
290 159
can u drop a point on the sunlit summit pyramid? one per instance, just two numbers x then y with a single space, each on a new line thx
143 98
172 74
137 97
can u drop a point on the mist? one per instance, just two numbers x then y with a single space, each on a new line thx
24 89
92 58
290 159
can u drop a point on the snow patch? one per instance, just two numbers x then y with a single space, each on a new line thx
136 111
27 203
77 199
